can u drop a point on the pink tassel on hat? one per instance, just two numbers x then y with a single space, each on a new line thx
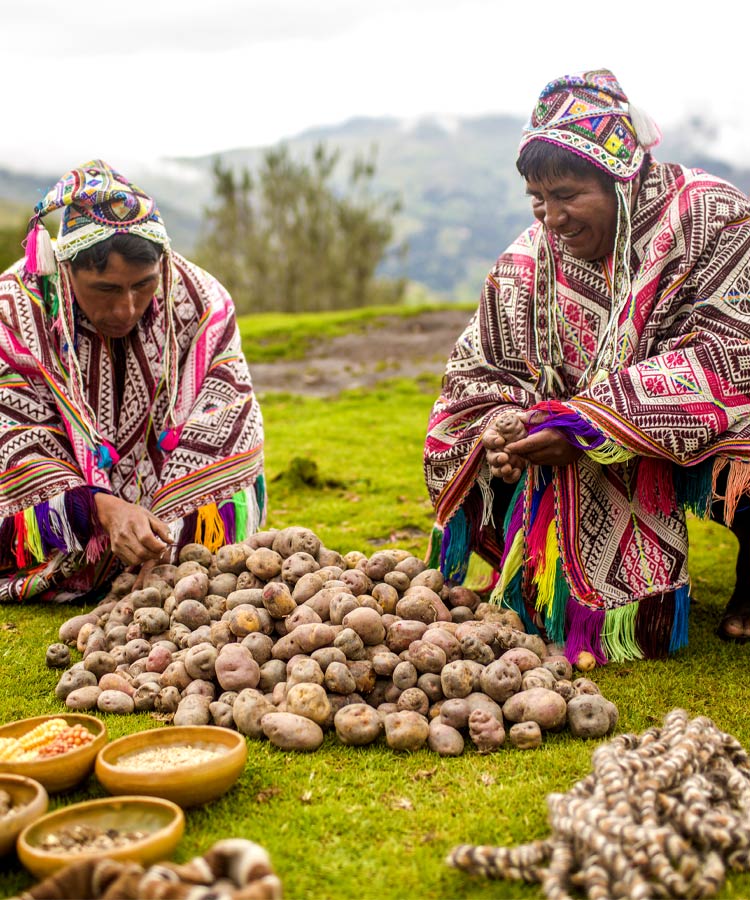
40 257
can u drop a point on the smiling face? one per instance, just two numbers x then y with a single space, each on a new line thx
115 299
579 209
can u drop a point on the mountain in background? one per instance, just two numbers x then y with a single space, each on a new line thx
463 200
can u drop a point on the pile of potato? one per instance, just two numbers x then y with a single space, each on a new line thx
283 638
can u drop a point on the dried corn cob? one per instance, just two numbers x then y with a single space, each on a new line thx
73 737
10 749
42 734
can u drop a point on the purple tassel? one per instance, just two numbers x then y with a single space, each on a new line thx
81 510
584 632
46 519
572 427
7 560
514 524
226 511
187 534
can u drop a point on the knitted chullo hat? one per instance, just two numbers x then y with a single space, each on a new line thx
97 202
589 114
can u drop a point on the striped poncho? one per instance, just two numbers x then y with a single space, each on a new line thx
197 466
595 553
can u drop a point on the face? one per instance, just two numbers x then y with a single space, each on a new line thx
115 300
578 210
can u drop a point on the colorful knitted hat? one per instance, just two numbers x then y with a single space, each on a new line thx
589 114
97 202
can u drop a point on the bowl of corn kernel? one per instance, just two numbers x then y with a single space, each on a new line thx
57 751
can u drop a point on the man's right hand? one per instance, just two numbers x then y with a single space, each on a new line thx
135 535
503 430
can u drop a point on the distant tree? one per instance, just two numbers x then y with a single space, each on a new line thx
285 240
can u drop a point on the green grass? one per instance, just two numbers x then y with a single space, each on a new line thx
368 822
273 336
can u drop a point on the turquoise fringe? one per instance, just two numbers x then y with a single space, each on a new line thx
513 599
433 551
554 624
679 636
692 486
454 548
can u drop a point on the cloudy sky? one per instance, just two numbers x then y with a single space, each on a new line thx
145 79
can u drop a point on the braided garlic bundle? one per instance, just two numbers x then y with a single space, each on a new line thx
661 815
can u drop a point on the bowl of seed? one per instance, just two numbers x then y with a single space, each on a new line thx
188 764
140 829
57 751
22 801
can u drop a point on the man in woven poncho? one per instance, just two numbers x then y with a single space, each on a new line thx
128 422
602 383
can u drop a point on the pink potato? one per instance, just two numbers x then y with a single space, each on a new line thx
357 724
545 707
236 669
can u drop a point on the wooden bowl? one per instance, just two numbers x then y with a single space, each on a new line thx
57 773
188 784
32 800
164 821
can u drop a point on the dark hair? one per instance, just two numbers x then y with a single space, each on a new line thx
540 160
131 247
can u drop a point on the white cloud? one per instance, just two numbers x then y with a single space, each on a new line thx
158 78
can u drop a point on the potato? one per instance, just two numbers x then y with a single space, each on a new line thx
330 559
195 553
342 604
522 658
277 599
69 630
338 679
167 700
175 675
291 732
191 587
401 633
57 656
145 695
586 686
429 578
158 658
221 714
427 657
559 666
115 702
303 670
248 709
261 538
351 643
363 674
260 645
455 712
357 582
137 649
324 656
353 557
191 613
478 700
591 716
296 540
151 620
302 615
457 679
444 740
114 681
379 564
200 661
314 636
265 563
525 735
223 584
307 586
585 661
147 597
484 729
399 581
546 708
298 565
405 675
529 642
122 585
385 662
232 558
83 698
447 642
192 710
564 688
539 677
272 673
357 724
310 701
99 663
386 597
406 730
461 596
243 620
367 624
236 669
414 699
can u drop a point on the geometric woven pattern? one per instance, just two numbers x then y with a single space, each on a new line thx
680 391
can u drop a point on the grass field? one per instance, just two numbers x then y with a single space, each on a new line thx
365 823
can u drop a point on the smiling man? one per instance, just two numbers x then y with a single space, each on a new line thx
128 422
602 389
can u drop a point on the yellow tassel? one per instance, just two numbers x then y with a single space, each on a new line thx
209 529
478 575
544 577
33 537
610 453
513 563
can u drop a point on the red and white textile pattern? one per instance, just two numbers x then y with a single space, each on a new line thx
678 392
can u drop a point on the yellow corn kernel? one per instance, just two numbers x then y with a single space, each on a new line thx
42 734
10 749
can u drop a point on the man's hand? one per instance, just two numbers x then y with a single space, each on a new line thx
502 431
135 535
547 447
